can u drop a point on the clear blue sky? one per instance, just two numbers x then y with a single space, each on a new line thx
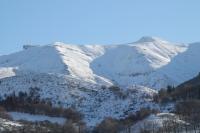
96 21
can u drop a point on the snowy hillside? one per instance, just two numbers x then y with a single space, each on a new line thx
185 65
94 101
156 121
137 63
79 75
134 63
6 125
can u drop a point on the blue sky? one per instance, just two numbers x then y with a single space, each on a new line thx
96 21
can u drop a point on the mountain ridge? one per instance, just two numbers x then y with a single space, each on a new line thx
109 63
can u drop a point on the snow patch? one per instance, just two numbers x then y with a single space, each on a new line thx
36 118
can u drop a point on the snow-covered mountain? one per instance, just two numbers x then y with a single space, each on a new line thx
73 75
134 63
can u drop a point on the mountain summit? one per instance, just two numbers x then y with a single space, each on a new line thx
149 39
125 65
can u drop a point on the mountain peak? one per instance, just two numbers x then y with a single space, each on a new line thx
149 39
25 47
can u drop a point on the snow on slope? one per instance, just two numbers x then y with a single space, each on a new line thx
134 63
78 59
73 75
6 125
37 59
6 72
56 59
92 100
154 122
184 66
36 118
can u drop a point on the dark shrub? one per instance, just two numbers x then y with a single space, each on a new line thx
4 114
109 125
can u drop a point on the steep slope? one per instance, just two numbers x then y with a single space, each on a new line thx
138 62
78 59
58 59
184 66
194 82
189 90
80 75
69 81
94 101
37 59
135 63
